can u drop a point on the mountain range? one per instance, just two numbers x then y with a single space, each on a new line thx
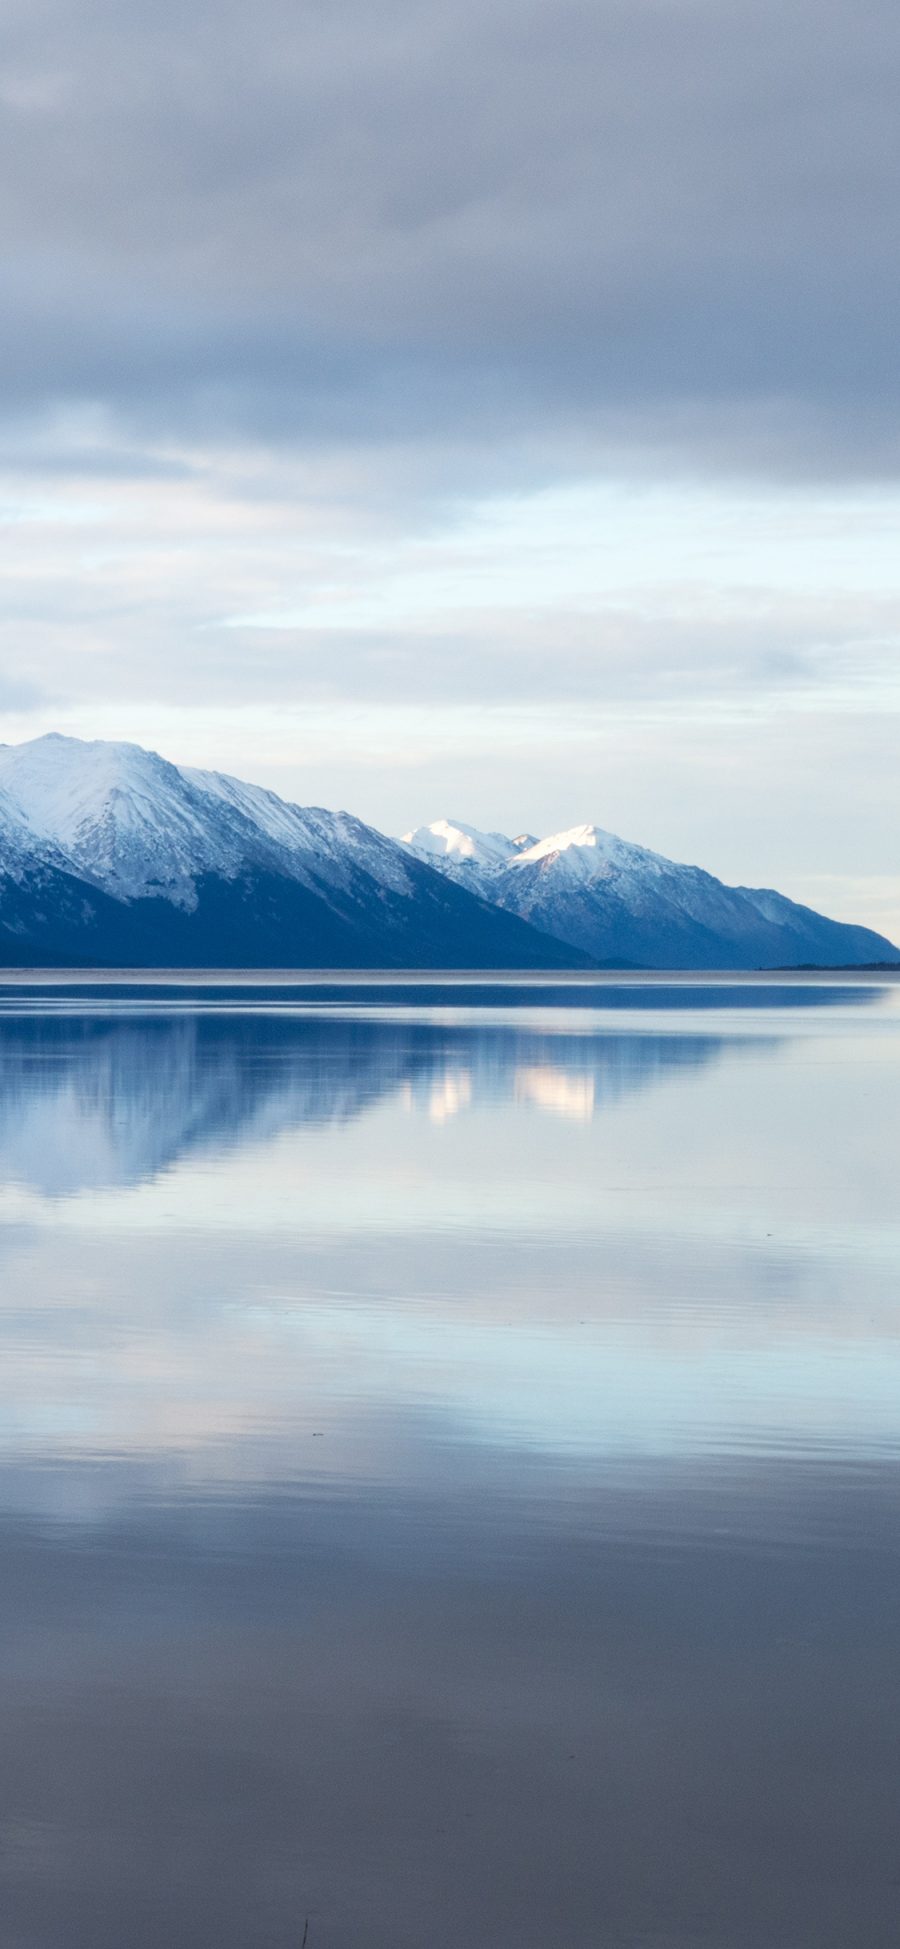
111 856
626 906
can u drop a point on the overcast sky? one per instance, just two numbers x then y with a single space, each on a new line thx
476 409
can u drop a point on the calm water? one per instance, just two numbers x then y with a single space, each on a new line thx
449 1466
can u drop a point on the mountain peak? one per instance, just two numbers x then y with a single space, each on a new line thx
581 853
450 839
117 811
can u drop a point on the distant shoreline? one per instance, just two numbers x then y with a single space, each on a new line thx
415 978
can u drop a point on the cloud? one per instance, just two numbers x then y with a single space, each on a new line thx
668 224
17 694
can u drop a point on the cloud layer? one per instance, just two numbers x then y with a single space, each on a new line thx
675 219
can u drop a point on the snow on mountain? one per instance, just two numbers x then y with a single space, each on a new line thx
118 814
586 853
137 861
302 838
464 853
449 839
19 850
623 904
140 827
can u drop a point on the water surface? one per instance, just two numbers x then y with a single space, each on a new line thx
449 1450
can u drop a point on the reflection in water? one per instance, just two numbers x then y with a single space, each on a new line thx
557 1090
102 1101
449 1470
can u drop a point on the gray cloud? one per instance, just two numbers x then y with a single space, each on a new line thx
671 222
611 659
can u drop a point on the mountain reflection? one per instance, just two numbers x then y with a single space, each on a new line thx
92 1100
104 1093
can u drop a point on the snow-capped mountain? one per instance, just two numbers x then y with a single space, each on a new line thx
142 828
111 855
467 855
624 905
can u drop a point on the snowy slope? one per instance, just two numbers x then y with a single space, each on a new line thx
138 861
622 903
21 849
470 857
587 853
143 828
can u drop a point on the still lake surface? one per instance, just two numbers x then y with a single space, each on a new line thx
449 1466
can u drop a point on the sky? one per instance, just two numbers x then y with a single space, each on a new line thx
487 411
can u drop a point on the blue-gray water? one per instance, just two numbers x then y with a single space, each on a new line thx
449 1454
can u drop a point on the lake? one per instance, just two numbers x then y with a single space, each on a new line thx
449 1443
